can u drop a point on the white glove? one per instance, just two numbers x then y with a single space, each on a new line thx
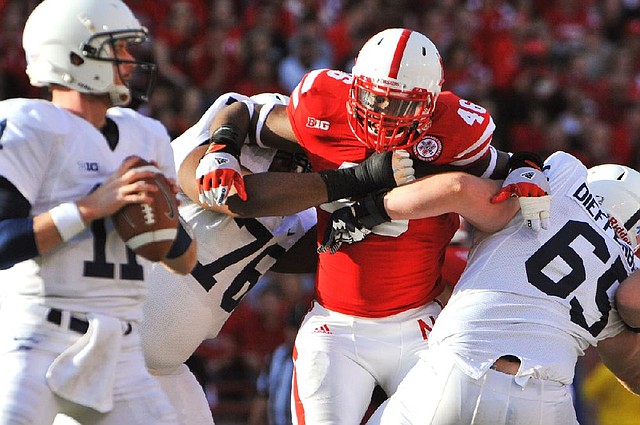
402 164
532 188
535 212
216 173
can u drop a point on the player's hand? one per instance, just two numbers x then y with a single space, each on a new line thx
343 228
402 165
126 185
217 172
531 187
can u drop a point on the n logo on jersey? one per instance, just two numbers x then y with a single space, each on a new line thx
428 149
319 124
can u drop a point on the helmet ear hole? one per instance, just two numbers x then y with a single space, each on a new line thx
75 59
70 44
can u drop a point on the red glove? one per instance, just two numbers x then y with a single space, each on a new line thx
216 173
532 188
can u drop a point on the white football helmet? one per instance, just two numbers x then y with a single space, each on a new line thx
617 189
397 78
71 43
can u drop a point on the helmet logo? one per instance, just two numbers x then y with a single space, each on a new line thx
428 149
621 232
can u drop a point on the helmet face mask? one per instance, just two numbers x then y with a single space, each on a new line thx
617 190
88 49
104 47
396 81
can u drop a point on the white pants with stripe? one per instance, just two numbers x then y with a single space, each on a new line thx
339 359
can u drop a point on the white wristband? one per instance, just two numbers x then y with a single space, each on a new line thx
67 219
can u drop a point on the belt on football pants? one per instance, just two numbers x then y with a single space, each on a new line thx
507 364
80 326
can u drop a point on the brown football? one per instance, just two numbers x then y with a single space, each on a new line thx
149 229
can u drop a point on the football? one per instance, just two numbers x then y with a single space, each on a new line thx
149 229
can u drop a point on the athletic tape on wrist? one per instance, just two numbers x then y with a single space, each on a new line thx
525 159
227 135
370 210
67 219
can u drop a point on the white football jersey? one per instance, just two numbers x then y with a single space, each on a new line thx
53 156
545 308
182 311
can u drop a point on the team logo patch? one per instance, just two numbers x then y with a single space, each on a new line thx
428 149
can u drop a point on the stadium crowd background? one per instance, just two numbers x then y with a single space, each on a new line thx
555 74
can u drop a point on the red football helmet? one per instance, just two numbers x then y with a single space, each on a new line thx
397 78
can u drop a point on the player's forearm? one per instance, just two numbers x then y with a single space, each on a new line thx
455 192
185 262
621 354
273 194
237 115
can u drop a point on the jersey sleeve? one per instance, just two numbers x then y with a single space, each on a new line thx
298 107
199 132
25 144
460 135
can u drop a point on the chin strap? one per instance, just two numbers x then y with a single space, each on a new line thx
120 95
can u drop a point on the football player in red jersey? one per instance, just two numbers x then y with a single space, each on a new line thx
376 300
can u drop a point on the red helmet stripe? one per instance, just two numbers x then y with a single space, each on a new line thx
399 53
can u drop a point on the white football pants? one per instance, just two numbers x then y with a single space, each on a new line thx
437 392
339 359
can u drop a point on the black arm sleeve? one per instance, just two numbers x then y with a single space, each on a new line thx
12 203
17 241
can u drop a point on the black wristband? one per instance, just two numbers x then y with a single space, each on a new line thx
373 174
525 159
228 135
180 244
340 183
370 210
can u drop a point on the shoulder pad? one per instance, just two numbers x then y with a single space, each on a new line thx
37 115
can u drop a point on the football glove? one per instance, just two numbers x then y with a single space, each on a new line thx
219 168
344 227
352 224
527 181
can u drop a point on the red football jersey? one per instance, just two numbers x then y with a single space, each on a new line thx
398 266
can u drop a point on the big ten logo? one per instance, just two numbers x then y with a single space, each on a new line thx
88 166
314 123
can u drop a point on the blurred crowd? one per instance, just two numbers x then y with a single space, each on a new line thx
555 74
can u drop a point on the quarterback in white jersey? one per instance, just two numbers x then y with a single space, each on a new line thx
504 349
233 253
72 290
